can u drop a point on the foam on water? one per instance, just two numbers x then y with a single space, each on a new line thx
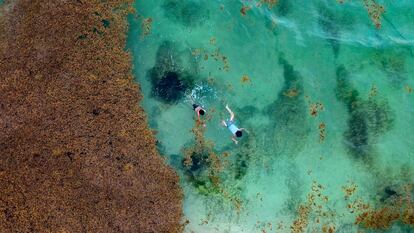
326 98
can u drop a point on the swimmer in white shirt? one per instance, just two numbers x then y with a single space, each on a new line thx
229 123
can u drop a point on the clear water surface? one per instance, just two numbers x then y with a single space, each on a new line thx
326 97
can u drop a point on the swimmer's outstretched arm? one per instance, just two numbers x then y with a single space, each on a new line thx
231 113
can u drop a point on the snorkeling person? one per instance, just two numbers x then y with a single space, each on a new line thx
237 132
199 110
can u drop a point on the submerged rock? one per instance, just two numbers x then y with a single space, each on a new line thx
168 78
196 164
389 192
170 87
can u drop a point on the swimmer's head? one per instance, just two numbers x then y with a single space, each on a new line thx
239 133
202 112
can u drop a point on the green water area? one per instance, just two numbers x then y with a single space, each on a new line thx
324 89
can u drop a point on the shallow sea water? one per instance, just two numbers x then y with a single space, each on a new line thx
326 97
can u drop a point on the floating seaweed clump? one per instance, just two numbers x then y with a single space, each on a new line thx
169 80
384 217
270 3
218 56
201 163
375 10
315 108
322 132
408 89
245 79
204 168
396 206
315 211
381 218
76 153
244 10
146 27
215 55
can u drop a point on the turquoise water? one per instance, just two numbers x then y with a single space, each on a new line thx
325 95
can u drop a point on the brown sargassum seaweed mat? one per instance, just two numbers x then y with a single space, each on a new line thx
76 154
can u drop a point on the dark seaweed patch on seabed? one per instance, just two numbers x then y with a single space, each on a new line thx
199 165
187 13
283 7
241 165
392 63
289 114
247 112
169 80
379 116
295 185
196 166
326 21
244 156
357 133
367 120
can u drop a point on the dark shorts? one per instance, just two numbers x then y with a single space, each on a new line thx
195 106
